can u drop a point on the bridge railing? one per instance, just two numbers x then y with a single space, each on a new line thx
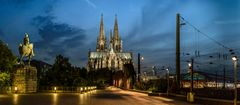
62 89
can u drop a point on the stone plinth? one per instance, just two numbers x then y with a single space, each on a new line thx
25 80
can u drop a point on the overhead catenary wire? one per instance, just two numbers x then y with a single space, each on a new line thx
206 35
217 60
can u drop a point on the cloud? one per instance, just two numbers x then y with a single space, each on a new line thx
50 34
152 36
57 32
57 38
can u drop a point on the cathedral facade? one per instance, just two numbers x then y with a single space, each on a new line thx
108 54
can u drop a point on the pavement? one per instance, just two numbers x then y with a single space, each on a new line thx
135 98
197 99
109 96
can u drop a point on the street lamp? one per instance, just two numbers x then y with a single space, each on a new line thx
189 65
15 88
142 58
235 59
81 89
55 89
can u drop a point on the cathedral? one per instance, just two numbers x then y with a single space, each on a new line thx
110 54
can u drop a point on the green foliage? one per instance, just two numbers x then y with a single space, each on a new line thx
141 86
103 75
63 74
79 81
4 79
60 75
158 85
7 59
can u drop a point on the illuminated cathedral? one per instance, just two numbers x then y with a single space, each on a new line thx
108 55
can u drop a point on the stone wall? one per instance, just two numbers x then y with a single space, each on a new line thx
25 80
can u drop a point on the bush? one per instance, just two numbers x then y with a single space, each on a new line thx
4 79
158 85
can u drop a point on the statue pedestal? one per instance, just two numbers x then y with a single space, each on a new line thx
25 80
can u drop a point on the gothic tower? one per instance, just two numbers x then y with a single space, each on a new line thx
101 40
111 44
116 37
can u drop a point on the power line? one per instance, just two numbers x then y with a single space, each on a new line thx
217 42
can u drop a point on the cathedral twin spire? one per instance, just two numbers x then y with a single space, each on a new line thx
115 40
101 33
116 34
101 41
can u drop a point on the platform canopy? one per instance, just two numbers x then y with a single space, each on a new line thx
196 76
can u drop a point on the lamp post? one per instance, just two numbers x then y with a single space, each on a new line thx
190 65
167 81
138 74
139 66
190 95
235 59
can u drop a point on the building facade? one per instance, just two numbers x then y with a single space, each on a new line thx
108 54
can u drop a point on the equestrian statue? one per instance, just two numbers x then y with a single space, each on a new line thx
26 49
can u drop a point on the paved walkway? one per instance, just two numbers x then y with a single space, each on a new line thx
110 96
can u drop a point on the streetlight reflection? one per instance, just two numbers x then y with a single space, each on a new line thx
82 98
15 99
55 98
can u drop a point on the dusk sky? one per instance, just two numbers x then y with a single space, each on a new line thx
70 27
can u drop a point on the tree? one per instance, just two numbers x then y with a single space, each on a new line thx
4 79
61 72
7 62
7 59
